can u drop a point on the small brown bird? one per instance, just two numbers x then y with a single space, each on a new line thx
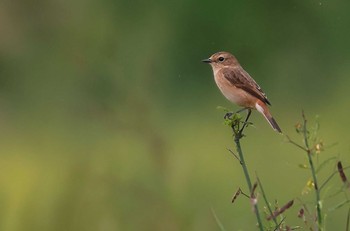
238 87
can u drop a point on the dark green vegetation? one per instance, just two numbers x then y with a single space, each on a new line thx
108 118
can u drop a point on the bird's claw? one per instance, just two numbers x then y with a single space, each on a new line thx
228 115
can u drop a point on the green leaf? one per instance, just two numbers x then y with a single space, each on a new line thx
222 108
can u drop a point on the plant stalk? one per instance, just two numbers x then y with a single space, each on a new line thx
317 191
238 136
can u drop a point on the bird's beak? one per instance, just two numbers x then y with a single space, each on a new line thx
206 60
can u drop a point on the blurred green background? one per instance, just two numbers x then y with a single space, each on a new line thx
108 119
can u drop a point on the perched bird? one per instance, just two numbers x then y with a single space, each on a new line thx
238 87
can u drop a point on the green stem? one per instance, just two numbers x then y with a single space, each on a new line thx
317 191
267 203
238 136
318 198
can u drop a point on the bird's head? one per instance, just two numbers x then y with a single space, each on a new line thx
221 59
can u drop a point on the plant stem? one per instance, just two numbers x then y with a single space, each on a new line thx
318 200
267 203
317 191
238 136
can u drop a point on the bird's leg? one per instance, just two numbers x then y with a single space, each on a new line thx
246 120
229 114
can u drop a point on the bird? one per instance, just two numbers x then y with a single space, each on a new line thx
239 87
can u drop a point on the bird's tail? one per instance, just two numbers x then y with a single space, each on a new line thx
264 110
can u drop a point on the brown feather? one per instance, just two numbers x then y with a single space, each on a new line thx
241 79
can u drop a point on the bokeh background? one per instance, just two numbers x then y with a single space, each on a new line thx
108 119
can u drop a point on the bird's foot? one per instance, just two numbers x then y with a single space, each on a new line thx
228 115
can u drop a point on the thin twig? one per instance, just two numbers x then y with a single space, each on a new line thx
218 222
330 177
317 191
235 155
279 225
244 194
296 144
348 220
267 202
238 134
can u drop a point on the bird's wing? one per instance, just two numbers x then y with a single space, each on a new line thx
241 79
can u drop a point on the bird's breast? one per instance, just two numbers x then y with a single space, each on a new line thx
234 94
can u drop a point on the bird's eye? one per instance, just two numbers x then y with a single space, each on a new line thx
221 59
